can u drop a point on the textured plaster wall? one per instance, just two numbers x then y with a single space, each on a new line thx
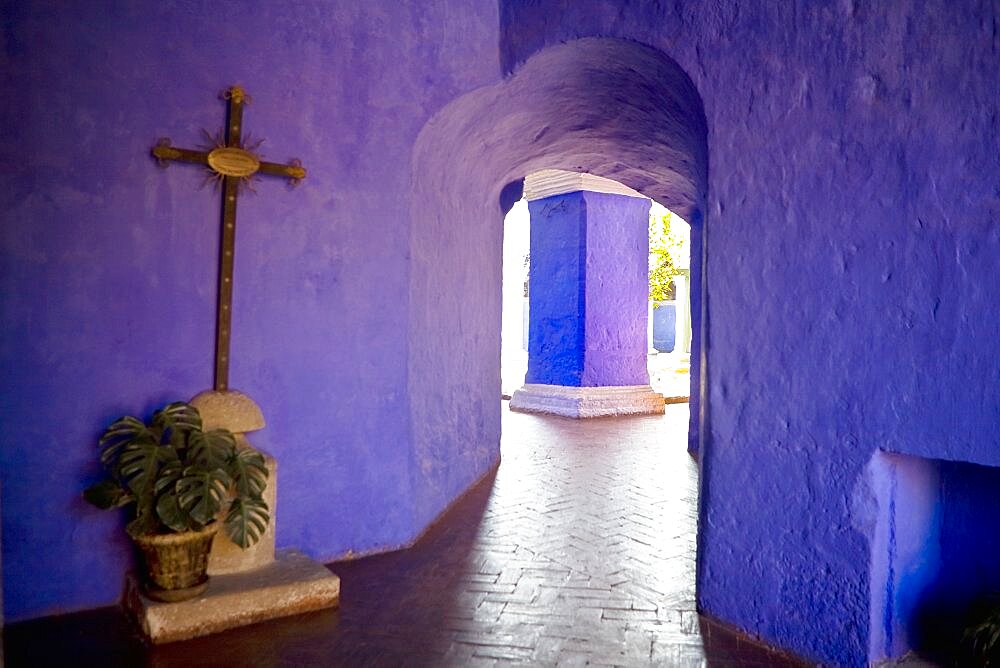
852 187
107 274
588 300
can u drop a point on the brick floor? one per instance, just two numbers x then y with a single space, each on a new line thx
579 550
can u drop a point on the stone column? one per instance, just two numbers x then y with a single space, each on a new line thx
588 299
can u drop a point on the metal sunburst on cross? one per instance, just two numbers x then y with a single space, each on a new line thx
234 163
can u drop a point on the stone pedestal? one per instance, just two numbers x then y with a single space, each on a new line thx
589 298
245 586
227 556
289 585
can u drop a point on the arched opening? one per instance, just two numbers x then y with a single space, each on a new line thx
607 107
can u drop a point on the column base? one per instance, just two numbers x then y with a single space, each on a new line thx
586 402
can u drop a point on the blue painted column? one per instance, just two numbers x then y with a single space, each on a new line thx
588 301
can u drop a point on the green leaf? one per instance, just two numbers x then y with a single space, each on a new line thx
122 432
139 467
249 472
212 449
201 492
247 521
168 476
176 419
107 494
170 512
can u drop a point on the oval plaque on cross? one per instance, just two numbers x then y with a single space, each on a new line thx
233 161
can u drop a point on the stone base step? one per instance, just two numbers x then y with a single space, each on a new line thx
291 584
585 402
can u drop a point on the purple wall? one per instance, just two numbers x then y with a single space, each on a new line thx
852 187
107 278
589 263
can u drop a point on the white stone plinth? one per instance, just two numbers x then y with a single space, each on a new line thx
289 585
585 402
550 182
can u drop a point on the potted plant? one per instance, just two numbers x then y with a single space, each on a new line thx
184 483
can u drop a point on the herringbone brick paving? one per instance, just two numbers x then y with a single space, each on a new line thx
580 550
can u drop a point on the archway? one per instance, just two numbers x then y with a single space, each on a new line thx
608 107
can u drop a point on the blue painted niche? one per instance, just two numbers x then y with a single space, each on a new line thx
936 554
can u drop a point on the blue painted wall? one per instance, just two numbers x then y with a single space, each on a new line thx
906 551
934 555
969 540
852 186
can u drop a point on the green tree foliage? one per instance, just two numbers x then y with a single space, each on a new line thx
665 249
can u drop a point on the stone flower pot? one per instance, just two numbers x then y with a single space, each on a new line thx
176 563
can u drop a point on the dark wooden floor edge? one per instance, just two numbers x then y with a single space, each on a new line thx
757 641
354 556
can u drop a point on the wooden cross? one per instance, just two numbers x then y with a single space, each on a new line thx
232 162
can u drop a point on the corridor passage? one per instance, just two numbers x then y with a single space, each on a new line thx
581 550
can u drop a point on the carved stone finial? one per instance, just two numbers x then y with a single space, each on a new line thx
228 409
